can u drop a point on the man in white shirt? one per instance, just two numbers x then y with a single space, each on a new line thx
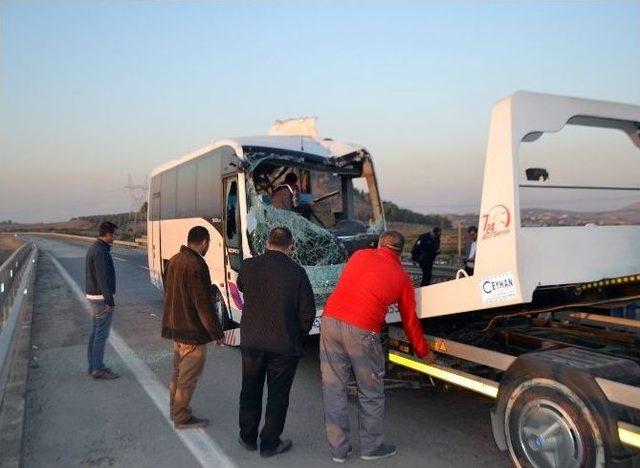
470 259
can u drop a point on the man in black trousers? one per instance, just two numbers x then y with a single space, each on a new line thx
278 312
424 253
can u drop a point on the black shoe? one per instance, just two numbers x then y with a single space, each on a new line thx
251 446
192 423
105 374
283 446
384 451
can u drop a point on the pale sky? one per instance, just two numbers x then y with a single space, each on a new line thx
93 91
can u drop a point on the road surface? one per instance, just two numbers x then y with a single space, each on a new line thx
73 420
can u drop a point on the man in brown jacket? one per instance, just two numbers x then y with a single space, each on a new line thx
190 321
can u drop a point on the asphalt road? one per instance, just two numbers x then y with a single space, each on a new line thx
73 420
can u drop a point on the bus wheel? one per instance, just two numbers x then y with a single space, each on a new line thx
548 425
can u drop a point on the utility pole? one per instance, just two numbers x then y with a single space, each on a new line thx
137 196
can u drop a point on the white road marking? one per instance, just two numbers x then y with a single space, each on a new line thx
205 450
118 258
143 267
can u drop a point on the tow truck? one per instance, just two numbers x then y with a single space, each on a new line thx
531 328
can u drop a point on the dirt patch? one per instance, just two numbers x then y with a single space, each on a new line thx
411 232
8 244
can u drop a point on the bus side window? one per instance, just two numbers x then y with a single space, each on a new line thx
168 195
208 191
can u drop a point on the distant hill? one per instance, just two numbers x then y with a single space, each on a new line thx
632 207
131 225
628 215
393 213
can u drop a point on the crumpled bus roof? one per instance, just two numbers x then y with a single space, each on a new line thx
318 147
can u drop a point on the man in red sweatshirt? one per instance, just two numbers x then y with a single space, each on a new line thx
353 319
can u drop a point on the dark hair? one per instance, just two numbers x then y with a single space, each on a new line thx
437 229
392 239
472 229
290 178
280 237
106 227
197 234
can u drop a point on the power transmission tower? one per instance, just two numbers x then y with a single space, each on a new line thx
137 195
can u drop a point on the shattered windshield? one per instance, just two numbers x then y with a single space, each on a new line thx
331 212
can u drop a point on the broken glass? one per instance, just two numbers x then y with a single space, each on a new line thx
323 237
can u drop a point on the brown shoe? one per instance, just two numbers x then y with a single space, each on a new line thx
192 423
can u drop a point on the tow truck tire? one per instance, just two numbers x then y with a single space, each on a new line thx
548 425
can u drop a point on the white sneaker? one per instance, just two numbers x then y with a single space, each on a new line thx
343 459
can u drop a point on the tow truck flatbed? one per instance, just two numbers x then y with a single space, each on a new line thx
532 327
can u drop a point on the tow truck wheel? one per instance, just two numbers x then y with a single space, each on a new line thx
547 425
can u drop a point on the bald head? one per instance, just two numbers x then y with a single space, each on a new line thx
392 240
281 239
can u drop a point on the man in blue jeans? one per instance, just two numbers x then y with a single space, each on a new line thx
100 284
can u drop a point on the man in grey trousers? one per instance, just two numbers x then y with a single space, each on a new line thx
350 340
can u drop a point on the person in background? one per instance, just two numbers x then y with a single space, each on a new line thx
278 312
285 196
470 257
350 340
189 320
424 252
100 288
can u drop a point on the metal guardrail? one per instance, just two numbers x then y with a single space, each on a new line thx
440 273
15 274
10 274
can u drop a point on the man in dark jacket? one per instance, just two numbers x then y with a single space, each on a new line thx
278 312
424 252
100 287
189 320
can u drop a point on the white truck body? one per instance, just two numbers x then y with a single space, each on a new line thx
511 260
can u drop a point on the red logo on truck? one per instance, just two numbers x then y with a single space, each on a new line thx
496 222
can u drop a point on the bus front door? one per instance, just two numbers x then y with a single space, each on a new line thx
233 245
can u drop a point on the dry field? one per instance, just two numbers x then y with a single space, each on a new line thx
8 243
449 239
76 225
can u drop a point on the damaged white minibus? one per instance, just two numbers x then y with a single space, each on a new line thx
227 188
